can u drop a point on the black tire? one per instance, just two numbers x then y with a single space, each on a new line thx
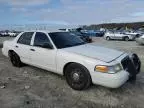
77 77
137 62
15 59
132 78
89 40
108 38
137 35
126 38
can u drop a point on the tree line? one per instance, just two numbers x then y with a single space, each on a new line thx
134 25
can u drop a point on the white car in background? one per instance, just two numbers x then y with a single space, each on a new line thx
132 33
140 40
66 54
118 36
4 34
11 34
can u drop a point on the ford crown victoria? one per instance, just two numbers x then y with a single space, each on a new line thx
81 63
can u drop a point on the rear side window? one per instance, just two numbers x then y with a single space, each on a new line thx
40 39
25 38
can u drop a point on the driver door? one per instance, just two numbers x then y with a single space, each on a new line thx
43 57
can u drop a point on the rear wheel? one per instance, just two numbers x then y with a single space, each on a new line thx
126 38
15 59
108 38
77 76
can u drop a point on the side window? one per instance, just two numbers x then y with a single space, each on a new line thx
40 39
25 38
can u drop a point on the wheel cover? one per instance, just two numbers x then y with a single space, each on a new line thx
77 77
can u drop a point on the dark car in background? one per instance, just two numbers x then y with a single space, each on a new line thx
83 36
79 32
94 33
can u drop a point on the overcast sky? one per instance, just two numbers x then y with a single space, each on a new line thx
75 12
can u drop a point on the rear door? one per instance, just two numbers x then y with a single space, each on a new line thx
118 36
23 45
111 35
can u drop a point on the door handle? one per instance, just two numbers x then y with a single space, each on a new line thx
16 46
32 49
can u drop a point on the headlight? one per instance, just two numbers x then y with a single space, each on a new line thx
108 69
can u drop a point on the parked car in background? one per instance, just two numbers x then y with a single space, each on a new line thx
99 33
83 36
132 33
94 33
66 54
3 34
118 36
140 40
11 34
79 32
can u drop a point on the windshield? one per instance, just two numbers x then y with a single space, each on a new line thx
65 39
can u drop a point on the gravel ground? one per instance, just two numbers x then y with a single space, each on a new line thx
30 87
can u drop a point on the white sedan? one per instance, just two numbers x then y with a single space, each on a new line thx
140 40
118 36
66 54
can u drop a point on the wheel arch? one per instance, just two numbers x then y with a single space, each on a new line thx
69 63
66 65
10 51
126 37
108 37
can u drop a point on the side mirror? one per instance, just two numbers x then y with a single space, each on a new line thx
47 45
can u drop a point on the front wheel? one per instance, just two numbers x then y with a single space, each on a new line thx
77 76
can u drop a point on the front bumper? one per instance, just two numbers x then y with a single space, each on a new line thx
131 67
110 80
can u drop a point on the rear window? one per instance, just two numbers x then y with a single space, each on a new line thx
25 38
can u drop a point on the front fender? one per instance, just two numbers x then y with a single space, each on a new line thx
64 58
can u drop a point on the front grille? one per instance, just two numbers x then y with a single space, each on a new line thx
128 65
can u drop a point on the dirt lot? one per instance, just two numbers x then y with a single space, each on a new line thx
30 87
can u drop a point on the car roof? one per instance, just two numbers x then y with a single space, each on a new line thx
45 31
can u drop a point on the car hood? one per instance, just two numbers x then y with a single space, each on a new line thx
95 52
